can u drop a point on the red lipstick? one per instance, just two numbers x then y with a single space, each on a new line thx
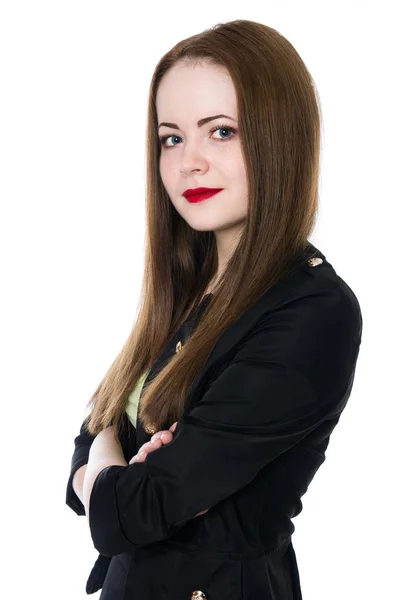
199 194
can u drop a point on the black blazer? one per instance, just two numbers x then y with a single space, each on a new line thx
255 431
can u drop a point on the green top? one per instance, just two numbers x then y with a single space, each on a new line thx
133 399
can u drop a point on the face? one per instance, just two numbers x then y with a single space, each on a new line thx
193 156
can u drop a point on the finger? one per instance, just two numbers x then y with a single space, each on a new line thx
173 427
164 436
200 513
140 457
152 445
157 442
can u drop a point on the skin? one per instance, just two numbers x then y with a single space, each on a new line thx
191 157
105 451
156 441
195 156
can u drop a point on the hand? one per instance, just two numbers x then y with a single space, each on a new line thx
157 440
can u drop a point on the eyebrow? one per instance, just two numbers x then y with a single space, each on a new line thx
200 123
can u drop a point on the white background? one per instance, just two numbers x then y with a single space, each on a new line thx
74 79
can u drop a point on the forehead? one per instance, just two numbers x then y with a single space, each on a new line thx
187 90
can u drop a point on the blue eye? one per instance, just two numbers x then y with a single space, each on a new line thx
231 130
163 140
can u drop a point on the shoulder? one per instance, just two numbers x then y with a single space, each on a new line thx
314 327
313 298
323 287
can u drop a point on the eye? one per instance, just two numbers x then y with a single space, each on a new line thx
163 140
222 128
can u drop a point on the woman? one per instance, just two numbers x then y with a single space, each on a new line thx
246 339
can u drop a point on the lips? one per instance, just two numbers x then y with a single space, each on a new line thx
199 194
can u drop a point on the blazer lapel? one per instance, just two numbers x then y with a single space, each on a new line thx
232 336
227 342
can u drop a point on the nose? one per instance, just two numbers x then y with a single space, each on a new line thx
193 160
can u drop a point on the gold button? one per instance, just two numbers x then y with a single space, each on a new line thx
178 347
150 430
313 262
198 595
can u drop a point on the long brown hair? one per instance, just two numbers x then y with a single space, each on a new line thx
279 125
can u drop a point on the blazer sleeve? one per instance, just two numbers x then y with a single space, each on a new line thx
80 457
293 371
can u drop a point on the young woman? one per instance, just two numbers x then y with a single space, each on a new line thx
244 350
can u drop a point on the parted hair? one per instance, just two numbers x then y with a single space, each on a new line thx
279 123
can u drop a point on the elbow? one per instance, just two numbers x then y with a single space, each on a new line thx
72 499
103 517
124 512
113 528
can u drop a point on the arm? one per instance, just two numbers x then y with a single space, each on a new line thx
293 371
77 482
105 451
80 457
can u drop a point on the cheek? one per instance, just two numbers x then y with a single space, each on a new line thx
164 172
236 168
237 178
167 172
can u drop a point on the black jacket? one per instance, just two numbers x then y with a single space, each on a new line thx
255 431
